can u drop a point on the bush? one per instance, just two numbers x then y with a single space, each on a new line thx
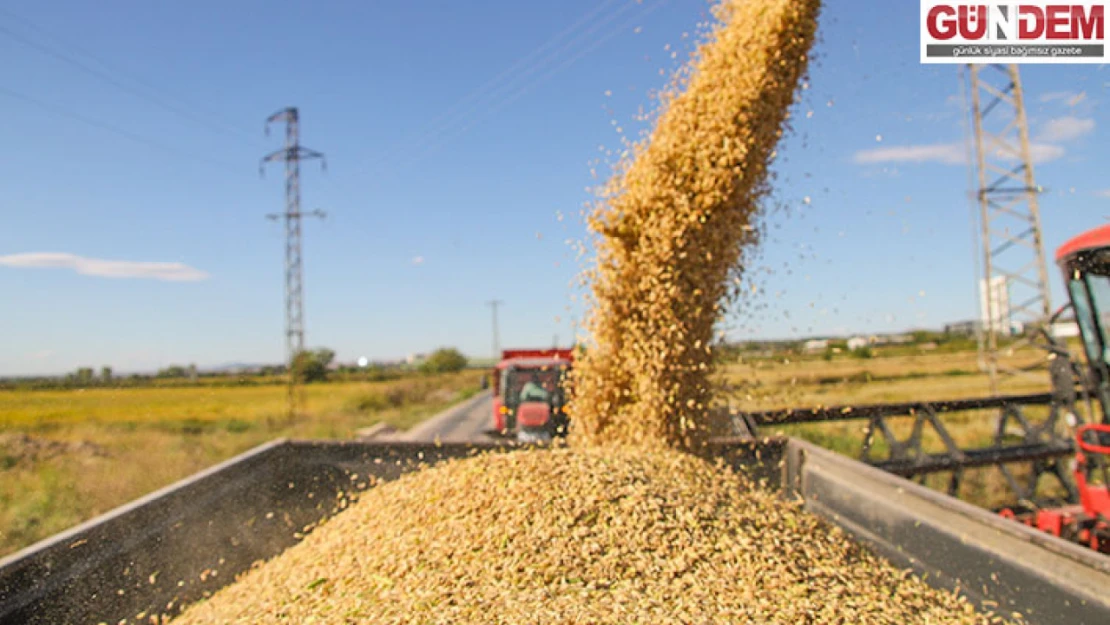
312 366
394 396
444 360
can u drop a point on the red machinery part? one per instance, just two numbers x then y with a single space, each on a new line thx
553 353
1087 523
532 414
1091 448
509 357
1090 240
498 415
1095 498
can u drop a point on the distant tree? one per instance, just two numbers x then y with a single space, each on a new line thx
444 360
923 336
312 365
271 370
84 375
172 371
106 374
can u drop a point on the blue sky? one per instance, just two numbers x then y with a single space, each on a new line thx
460 140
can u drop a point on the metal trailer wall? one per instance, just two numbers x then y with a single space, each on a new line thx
186 541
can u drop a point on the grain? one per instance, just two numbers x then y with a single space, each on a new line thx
620 535
624 526
673 224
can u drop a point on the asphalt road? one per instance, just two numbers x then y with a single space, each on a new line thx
465 422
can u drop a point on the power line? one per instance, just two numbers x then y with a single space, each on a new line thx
513 97
72 61
64 112
490 90
485 97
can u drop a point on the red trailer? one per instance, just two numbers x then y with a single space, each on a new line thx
529 392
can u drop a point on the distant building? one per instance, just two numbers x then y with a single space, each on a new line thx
894 339
415 359
857 342
816 345
962 328
1065 329
994 305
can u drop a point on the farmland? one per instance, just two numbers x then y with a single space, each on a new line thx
68 455
789 382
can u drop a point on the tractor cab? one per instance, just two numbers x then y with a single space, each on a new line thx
1085 261
529 394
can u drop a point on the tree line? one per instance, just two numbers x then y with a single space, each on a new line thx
311 366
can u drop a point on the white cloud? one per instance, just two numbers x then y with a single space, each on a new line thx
945 154
1069 98
1066 128
170 272
1103 193
1045 152
418 260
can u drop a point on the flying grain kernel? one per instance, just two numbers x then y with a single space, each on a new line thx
671 228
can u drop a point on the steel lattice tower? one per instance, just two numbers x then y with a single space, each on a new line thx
1014 289
292 154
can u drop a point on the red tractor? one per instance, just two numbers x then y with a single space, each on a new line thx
530 393
1085 261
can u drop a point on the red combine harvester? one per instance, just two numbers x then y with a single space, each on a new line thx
1085 261
529 393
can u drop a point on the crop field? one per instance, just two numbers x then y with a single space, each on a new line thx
69 455
786 382
790 382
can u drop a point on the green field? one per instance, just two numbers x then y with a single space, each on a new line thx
68 455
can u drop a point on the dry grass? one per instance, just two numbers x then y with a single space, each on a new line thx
66 456
787 382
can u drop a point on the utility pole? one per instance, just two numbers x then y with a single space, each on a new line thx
292 154
496 341
1015 277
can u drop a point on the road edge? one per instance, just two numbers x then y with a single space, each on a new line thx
420 430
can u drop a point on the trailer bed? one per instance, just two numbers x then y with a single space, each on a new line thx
184 542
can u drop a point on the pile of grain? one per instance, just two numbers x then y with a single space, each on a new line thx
674 224
630 531
577 536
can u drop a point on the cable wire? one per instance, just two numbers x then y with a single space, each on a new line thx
64 112
72 61
488 93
